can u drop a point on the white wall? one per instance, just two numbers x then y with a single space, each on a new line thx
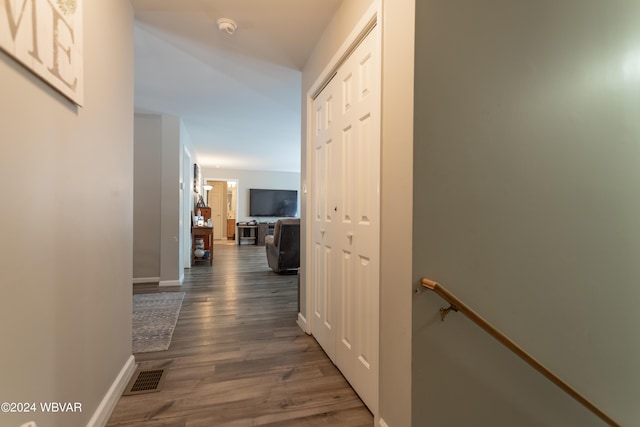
396 213
526 207
187 159
66 177
248 179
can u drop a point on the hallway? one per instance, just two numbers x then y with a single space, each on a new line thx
238 358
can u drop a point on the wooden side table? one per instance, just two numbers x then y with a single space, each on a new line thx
207 234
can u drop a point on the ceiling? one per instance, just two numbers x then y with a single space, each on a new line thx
238 95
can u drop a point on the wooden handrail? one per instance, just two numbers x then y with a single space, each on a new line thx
458 305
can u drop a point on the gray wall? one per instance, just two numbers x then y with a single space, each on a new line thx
170 198
66 177
157 205
526 206
146 193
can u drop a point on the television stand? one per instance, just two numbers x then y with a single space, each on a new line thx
265 229
247 234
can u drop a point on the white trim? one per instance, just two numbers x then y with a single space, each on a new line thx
355 37
138 280
306 190
182 277
303 324
374 13
381 423
369 20
223 237
165 283
107 405
371 23
187 206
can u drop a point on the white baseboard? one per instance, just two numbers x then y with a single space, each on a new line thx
302 323
138 280
107 405
166 283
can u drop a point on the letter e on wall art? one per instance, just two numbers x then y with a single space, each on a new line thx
46 37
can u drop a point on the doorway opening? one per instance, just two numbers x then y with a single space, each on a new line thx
222 199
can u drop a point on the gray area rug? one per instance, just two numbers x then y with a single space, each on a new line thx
154 319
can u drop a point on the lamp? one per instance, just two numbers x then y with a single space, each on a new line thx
207 187
201 201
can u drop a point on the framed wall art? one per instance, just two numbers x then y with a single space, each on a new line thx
196 178
45 36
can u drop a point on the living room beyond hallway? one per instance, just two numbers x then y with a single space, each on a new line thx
237 356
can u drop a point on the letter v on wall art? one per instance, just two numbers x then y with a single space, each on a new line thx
46 37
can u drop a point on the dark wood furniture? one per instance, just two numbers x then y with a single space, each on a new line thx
231 229
207 235
205 212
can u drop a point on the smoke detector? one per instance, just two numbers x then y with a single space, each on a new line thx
227 26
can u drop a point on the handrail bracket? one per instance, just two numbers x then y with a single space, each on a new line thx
445 311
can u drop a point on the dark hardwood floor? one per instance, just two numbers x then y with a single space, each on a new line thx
238 358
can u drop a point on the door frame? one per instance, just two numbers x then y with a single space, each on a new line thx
371 18
222 229
237 181
187 207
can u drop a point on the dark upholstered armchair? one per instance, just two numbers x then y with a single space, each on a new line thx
283 248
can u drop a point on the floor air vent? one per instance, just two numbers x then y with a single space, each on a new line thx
145 382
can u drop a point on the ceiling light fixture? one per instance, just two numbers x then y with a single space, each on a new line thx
227 25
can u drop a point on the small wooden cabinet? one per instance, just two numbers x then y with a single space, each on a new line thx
231 229
207 235
205 212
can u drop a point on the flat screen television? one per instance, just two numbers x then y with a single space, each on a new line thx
275 203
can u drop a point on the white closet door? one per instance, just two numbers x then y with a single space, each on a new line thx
217 201
346 223
323 195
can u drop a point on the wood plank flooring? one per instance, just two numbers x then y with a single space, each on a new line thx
238 358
